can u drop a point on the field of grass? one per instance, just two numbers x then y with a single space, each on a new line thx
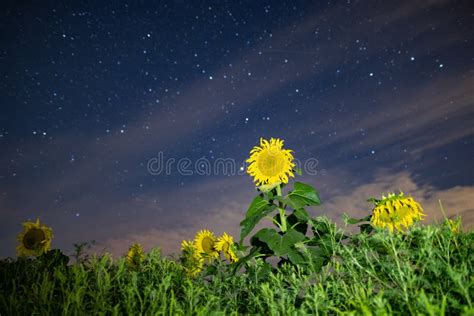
427 270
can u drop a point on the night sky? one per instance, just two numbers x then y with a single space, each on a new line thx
378 93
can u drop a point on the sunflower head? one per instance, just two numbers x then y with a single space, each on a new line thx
396 212
34 240
269 163
191 259
225 245
205 243
135 256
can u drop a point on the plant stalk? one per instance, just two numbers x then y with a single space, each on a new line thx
281 210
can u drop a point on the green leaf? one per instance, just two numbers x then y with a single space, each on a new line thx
280 244
281 199
317 258
258 209
249 222
262 246
350 220
255 251
303 195
298 220
258 205
296 257
301 214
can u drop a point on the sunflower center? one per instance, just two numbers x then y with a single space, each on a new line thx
404 212
33 238
271 162
207 245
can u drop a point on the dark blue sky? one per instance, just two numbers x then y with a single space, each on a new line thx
379 93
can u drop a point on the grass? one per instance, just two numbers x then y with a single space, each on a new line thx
428 271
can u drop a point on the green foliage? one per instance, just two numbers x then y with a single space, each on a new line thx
302 195
427 270
258 209
296 239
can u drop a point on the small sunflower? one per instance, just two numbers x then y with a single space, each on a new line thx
35 239
395 212
135 256
191 260
205 242
269 163
225 244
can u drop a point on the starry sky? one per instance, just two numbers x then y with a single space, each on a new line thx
377 94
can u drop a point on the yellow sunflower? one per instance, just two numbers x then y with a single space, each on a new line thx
396 212
35 239
135 256
205 242
269 163
191 260
225 244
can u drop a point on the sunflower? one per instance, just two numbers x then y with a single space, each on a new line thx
191 260
225 244
395 212
269 163
205 242
135 256
35 239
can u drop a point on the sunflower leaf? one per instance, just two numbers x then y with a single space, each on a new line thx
301 214
258 205
298 221
350 220
259 208
280 244
302 195
296 257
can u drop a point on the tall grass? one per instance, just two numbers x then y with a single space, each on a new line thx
428 271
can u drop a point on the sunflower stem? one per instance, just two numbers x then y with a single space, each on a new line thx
278 189
281 210
282 219
274 222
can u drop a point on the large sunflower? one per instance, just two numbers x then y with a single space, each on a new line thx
191 260
135 256
35 239
225 244
205 242
396 212
269 163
